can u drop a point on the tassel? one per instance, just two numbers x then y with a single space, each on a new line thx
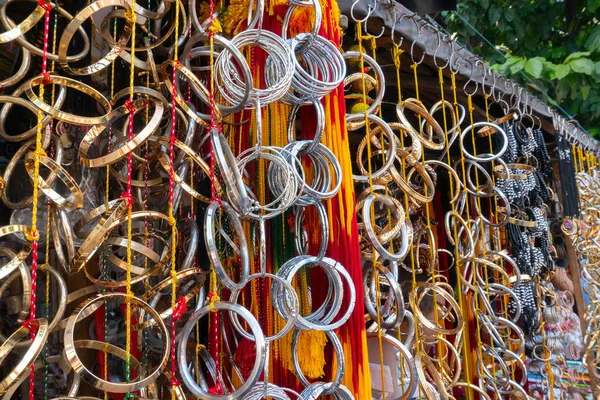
278 7
236 18
311 353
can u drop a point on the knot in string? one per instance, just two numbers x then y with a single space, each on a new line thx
128 197
131 17
129 105
173 274
174 382
33 236
39 153
216 390
180 309
45 78
46 5
213 298
2 183
31 326
129 396
172 221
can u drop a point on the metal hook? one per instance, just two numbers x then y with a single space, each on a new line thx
455 65
498 93
513 94
412 46
358 20
485 73
442 38
367 30
504 104
397 22
470 79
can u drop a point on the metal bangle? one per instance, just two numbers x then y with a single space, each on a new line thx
210 221
259 341
88 308
489 156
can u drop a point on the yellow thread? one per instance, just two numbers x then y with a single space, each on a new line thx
372 212
130 16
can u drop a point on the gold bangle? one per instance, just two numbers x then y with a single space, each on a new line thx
127 148
138 248
108 226
8 171
88 308
417 107
415 301
196 273
23 314
73 84
193 80
14 99
518 221
94 239
164 161
405 157
73 26
74 201
16 259
25 26
32 353
22 40
104 347
507 174
139 183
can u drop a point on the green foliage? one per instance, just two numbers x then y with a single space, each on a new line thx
556 43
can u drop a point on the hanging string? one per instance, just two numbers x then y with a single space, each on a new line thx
48 219
496 237
34 236
213 296
372 212
418 349
178 307
483 245
128 197
458 258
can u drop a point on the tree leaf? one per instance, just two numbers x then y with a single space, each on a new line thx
516 67
494 14
593 5
577 54
484 4
534 66
510 14
582 66
585 91
562 70
593 41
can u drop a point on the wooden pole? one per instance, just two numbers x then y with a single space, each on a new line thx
578 295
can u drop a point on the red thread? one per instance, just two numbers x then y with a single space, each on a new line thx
34 250
45 78
31 326
47 6
174 382
128 197
216 390
180 309
129 105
